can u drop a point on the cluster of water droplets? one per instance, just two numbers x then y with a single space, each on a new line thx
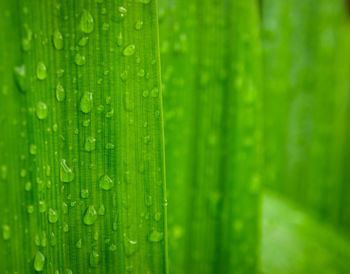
42 109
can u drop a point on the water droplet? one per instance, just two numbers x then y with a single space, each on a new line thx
28 186
109 146
138 25
106 183
120 39
41 110
105 26
60 73
80 60
32 149
90 215
84 193
148 200
37 240
57 40
112 247
141 73
53 239
41 71
66 174
42 206
154 92
52 216
65 227
55 127
21 78
157 216
124 75
90 144
145 93
155 236
3 172
115 225
94 259
96 235
23 173
129 50
86 22
78 244
27 40
43 240
86 123
110 113
30 209
130 247
6 232
83 41
60 93
86 102
39 261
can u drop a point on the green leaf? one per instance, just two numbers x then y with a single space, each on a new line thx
81 148
294 242
306 91
210 55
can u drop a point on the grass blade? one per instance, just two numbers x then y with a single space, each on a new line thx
210 60
306 98
91 121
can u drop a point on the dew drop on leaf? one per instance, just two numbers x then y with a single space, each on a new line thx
57 40
157 216
42 206
39 261
120 39
101 210
6 232
138 25
83 41
53 239
155 236
41 71
86 22
106 183
60 93
78 244
66 173
80 60
129 50
30 209
90 215
130 247
41 110
21 78
52 216
112 247
84 193
65 227
90 144
86 102
154 92
32 149
145 93
94 258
